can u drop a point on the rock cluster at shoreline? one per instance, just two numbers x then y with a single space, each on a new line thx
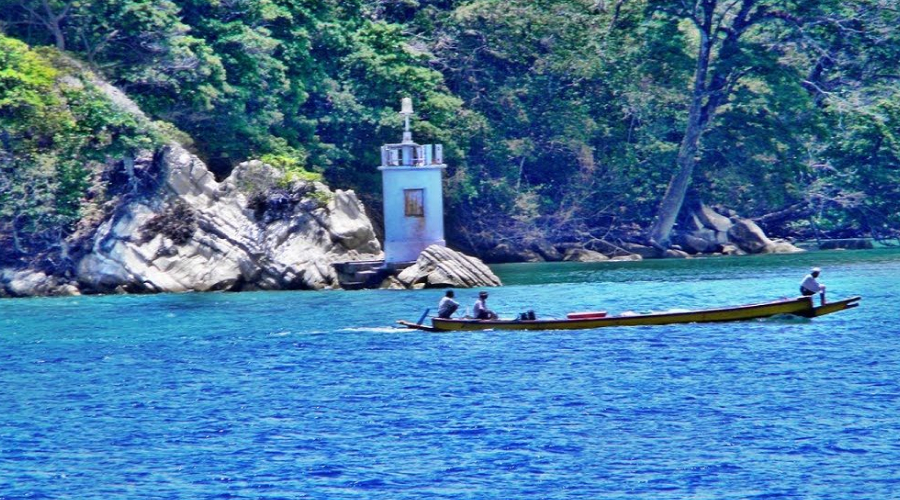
706 233
196 234
232 247
179 229
175 228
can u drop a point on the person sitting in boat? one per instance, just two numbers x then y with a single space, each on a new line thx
447 306
811 286
480 311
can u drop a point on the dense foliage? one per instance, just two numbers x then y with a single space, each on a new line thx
56 131
567 120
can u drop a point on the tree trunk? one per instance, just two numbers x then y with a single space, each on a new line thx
711 89
52 20
678 186
17 242
659 232
59 37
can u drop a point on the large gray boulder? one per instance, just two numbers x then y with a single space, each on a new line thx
196 234
546 251
634 251
695 242
27 283
672 253
584 255
441 267
712 219
782 246
703 230
750 238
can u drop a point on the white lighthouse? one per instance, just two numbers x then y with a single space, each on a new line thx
413 198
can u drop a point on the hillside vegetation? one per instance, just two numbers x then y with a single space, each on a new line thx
562 120
57 132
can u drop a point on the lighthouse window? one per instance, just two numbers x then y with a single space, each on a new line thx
414 202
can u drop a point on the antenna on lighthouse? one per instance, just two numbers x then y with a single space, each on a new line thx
406 109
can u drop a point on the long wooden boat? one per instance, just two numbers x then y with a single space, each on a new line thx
801 306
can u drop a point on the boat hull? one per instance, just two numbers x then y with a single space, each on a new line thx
833 307
801 306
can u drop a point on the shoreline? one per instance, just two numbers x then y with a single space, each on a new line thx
516 273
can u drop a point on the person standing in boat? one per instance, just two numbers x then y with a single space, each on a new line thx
480 311
811 286
447 306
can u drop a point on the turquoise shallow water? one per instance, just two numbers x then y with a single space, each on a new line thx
316 395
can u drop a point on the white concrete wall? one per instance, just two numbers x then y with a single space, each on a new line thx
405 237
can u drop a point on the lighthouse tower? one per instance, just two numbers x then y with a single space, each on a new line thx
413 198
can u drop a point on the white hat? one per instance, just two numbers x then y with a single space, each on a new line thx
816 270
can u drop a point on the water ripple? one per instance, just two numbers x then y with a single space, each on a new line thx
236 396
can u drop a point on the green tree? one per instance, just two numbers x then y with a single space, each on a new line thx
561 119
56 133
51 17
556 84
742 46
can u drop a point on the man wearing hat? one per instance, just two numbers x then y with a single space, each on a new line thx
480 311
810 286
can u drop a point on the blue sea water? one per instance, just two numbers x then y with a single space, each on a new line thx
315 395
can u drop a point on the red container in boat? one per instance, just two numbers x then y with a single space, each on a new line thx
586 315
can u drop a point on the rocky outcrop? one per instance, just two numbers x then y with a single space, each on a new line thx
188 232
248 232
706 231
703 231
172 227
441 267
